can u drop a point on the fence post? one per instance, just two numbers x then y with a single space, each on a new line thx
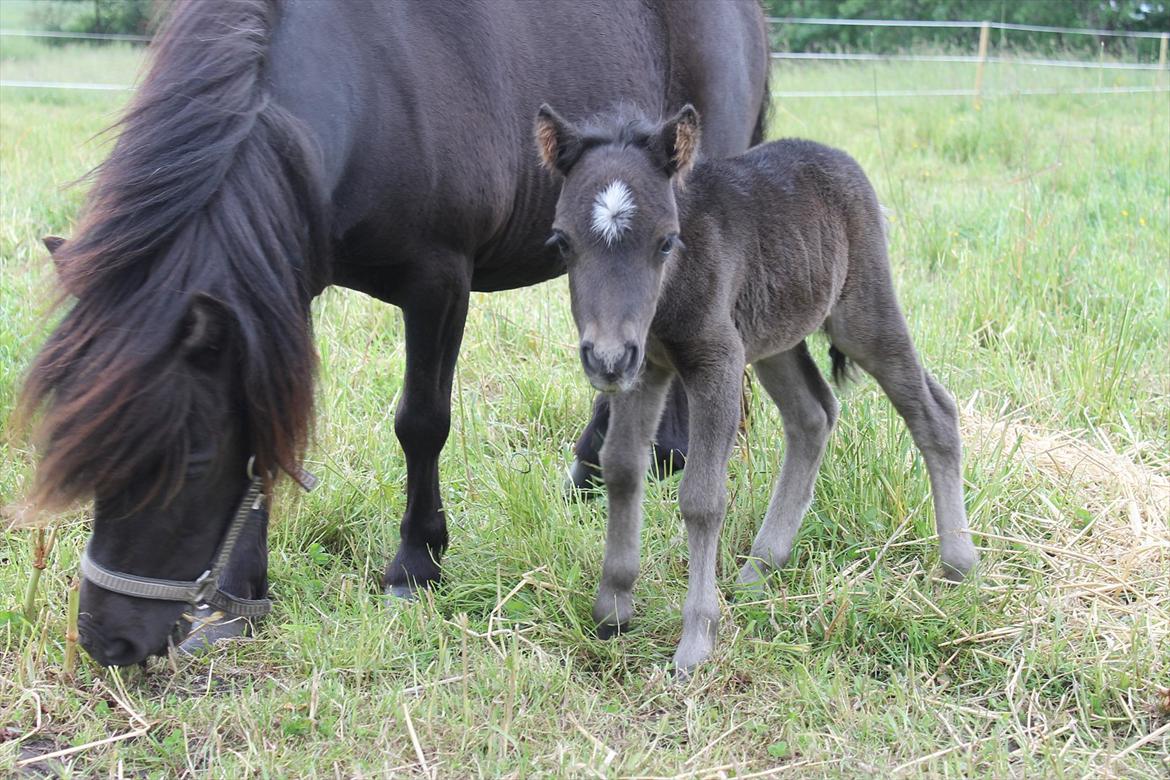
1162 57
984 35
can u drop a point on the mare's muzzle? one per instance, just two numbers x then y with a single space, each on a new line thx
204 592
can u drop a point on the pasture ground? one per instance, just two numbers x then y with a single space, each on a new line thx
1031 247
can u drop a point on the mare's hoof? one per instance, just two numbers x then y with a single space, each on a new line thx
404 592
582 480
210 627
610 630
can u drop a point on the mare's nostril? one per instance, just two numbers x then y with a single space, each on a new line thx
121 652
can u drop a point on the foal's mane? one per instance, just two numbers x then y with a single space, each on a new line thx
622 125
211 188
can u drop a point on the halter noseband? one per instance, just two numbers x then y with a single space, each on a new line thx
205 590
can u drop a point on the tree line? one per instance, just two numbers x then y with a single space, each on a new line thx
139 16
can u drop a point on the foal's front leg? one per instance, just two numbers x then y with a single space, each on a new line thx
625 456
713 392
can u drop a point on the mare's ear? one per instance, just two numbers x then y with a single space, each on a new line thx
557 142
205 327
680 141
53 244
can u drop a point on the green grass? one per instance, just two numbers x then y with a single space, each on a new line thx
1031 247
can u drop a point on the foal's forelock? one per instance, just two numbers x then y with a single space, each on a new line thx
613 211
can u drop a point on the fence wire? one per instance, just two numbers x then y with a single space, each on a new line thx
811 56
966 58
962 25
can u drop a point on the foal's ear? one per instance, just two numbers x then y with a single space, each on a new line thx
557 142
205 326
680 140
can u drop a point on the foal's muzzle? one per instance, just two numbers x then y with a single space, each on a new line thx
609 369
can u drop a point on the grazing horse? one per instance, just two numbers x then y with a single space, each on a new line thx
276 147
753 255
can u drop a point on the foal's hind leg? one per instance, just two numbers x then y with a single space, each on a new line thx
624 460
874 334
809 410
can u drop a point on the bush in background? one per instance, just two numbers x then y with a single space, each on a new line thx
134 17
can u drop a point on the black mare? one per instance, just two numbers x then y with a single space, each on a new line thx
275 148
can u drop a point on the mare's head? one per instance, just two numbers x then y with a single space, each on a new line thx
187 347
617 227
147 412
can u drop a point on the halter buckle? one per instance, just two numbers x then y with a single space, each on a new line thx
205 586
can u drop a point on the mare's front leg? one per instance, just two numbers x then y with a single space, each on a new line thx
434 312
670 442
625 457
713 390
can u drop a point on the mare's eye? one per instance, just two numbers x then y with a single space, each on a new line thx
559 240
669 244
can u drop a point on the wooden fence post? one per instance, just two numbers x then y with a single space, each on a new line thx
984 35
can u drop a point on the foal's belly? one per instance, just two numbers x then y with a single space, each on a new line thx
780 333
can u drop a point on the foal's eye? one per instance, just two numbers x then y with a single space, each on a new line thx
559 240
669 244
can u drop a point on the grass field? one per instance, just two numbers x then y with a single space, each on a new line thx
1031 247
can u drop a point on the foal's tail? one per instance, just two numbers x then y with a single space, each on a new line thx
842 368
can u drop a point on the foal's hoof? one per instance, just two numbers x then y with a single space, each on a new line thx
688 657
753 578
210 627
958 563
610 630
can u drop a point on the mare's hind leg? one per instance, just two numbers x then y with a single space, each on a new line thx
434 312
874 334
809 411
624 459
670 442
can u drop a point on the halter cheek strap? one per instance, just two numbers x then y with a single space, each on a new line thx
205 590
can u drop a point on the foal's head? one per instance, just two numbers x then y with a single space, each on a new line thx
617 227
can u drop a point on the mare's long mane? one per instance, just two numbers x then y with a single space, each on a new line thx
210 188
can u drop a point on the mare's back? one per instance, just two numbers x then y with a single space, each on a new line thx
423 111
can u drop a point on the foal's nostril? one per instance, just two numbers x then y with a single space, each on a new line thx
629 360
587 356
611 365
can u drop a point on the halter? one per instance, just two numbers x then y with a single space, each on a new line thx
203 591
